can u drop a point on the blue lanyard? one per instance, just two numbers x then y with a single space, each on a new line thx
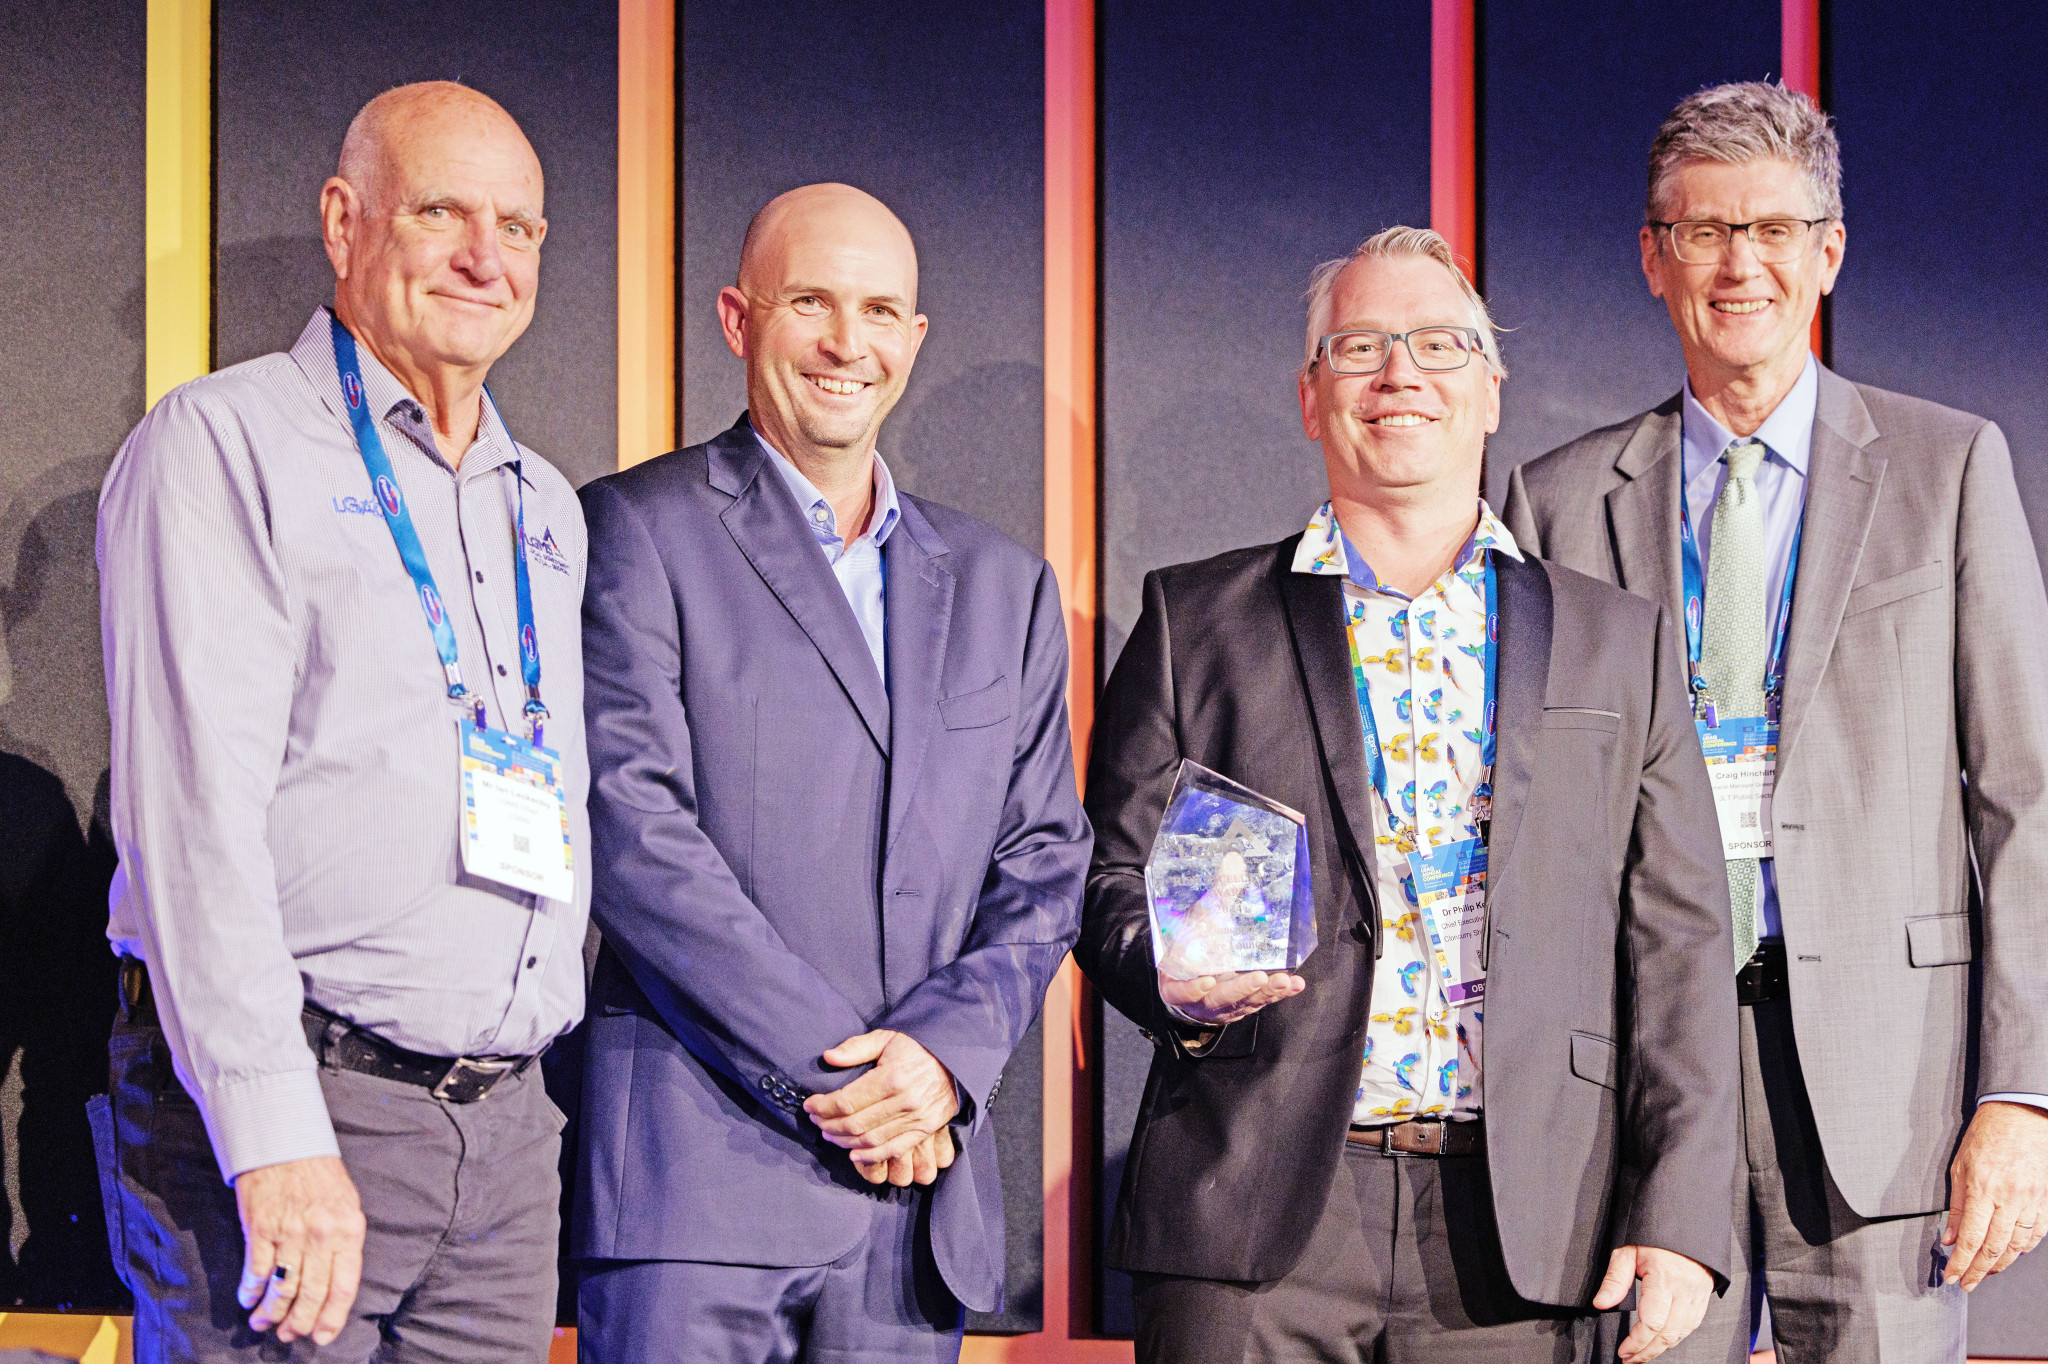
1695 613
1490 650
398 516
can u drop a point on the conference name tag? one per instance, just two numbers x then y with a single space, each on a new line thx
515 815
1450 890
1742 763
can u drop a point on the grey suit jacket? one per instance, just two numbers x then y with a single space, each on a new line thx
1918 653
1610 1026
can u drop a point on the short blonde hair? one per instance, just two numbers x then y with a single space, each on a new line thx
1392 242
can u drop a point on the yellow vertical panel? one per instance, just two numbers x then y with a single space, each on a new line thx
178 213
648 387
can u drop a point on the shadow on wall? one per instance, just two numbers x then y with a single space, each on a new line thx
990 407
56 974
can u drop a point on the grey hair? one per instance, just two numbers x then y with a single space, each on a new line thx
1383 245
1748 121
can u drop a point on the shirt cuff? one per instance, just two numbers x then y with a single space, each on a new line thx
2039 1101
269 1120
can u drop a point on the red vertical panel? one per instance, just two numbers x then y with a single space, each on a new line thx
1802 39
1454 128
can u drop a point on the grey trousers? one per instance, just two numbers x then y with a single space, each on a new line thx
883 1302
1841 1288
461 1200
1404 1266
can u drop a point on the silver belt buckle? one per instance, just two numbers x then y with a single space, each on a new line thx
468 1068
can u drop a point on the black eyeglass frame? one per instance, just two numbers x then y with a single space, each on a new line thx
1471 334
1744 228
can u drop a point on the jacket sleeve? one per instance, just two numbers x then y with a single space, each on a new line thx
702 952
1131 770
1679 1100
2001 681
971 1013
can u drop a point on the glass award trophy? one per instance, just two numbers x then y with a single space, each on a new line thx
1227 882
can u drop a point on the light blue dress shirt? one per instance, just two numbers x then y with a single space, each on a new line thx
858 566
1787 435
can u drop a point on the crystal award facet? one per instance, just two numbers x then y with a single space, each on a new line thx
1227 882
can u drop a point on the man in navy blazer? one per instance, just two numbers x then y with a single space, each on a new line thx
838 850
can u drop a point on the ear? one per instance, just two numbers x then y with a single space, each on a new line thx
1653 260
340 215
732 319
1492 400
1833 247
1311 419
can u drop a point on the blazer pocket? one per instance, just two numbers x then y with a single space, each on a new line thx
1594 1058
1885 591
976 709
1581 717
1939 940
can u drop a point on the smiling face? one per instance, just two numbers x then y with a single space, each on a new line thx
825 315
1417 433
435 231
1741 320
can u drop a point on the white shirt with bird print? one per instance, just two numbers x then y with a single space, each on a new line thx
1422 664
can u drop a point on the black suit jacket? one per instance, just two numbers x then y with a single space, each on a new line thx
1610 1040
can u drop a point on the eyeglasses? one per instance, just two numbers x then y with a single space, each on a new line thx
1774 241
1431 348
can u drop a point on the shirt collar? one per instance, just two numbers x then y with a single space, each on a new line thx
1786 433
314 354
1326 550
818 513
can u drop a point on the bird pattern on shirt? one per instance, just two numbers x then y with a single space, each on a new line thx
1421 663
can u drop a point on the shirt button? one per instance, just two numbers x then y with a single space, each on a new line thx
479 575
532 962
501 670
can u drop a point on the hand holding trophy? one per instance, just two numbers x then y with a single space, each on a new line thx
1227 884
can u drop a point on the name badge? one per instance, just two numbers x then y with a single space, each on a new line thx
515 815
1742 763
1450 888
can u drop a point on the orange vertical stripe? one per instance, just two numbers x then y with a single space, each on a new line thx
649 390
1454 129
1801 30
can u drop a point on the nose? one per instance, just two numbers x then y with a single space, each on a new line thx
842 339
479 258
1739 260
1399 372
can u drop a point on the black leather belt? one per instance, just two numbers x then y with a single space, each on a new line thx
339 1043
1762 977
1422 1138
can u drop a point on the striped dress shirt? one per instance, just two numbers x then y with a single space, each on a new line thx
286 783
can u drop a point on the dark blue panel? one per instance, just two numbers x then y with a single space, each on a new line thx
1944 132
71 279
290 74
1572 92
1945 152
937 109
1225 181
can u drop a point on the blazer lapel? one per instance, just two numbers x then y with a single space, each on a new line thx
1523 679
918 591
1842 482
1643 512
770 530
1315 617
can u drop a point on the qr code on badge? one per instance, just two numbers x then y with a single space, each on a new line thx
1748 822
522 843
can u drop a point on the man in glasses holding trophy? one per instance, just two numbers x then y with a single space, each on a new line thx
1405 862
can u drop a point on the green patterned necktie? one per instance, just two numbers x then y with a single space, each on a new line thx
1734 642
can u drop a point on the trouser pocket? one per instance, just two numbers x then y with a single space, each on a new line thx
99 1112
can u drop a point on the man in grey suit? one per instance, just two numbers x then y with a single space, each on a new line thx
1401 1153
1876 1093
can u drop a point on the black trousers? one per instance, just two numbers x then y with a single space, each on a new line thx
1405 1266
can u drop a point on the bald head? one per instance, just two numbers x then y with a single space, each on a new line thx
399 124
826 213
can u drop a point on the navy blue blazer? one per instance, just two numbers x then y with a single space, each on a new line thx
786 854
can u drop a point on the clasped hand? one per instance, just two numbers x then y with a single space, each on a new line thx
892 1120
1227 996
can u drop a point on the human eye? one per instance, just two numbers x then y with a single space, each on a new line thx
1775 233
1703 234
